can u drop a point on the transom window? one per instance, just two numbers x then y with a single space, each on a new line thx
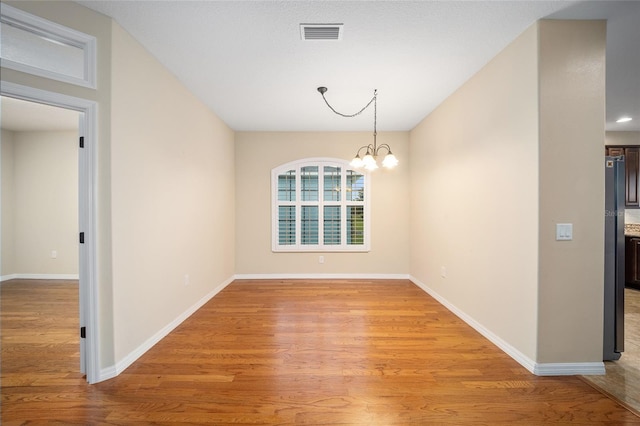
40 47
319 204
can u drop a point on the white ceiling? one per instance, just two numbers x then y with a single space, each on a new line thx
247 62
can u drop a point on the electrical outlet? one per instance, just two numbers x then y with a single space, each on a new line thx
186 279
443 272
321 259
54 254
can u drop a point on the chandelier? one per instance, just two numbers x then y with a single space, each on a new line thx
370 159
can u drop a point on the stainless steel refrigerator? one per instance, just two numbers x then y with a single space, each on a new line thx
614 258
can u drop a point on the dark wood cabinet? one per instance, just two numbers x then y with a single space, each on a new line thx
632 172
632 261
615 151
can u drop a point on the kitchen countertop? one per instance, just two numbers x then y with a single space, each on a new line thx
632 230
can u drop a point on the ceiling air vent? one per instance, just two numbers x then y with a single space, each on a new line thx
321 31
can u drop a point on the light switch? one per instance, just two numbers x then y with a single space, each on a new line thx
564 231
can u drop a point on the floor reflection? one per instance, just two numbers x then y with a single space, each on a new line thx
622 380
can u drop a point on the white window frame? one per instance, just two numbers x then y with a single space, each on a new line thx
298 203
44 28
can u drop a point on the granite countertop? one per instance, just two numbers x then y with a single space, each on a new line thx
632 230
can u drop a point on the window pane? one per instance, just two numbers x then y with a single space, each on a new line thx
286 225
332 225
309 225
45 51
355 225
309 183
332 183
287 186
355 186
321 207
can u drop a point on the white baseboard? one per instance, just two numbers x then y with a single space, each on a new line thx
539 369
39 277
521 358
322 276
106 374
569 369
8 277
113 371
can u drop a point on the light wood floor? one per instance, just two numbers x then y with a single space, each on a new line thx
286 352
623 376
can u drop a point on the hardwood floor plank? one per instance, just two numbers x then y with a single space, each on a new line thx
350 352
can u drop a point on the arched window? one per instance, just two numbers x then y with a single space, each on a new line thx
319 204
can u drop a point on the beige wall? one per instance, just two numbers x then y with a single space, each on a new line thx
171 182
172 196
520 162
7 203
45 203
259 152
622 138
572 102
474 196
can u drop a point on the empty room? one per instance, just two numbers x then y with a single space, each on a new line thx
327 212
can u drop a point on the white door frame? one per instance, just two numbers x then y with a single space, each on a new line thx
87 208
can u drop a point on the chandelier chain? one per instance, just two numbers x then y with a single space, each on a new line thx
375 116
375 94
369 161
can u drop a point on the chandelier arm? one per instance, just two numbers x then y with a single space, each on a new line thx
369 148
350 115
385 146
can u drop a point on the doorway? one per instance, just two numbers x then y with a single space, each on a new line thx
40 191
621 344
86 222
39 251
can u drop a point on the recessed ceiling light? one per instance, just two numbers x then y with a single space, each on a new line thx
623 119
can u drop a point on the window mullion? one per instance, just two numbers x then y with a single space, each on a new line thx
343 208
321 205
298 209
